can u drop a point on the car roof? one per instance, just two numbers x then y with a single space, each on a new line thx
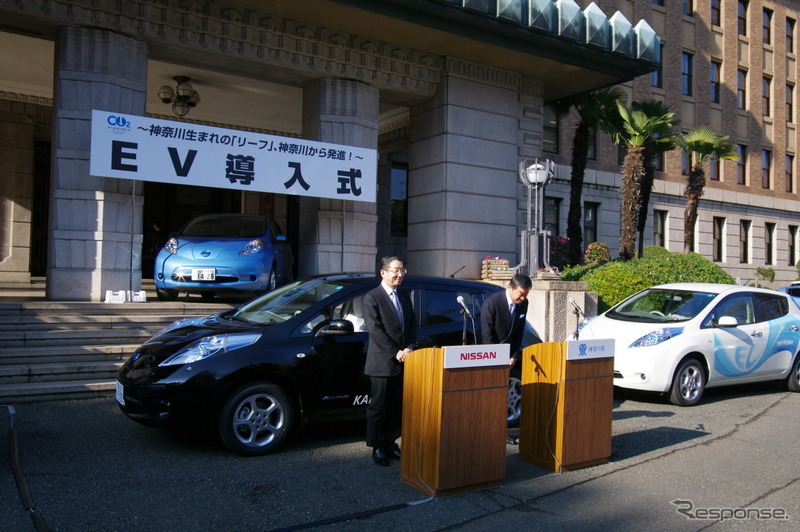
410 278
713 288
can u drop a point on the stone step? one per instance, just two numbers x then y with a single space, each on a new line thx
56 390
62 353
72 337
74 321
58 371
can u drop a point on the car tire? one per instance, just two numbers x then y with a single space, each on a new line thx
256 419
272 280
166 295
688 383
514 399
793 380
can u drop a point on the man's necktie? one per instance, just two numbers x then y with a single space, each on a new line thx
397 308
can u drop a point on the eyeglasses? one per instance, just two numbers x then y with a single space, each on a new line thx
396 271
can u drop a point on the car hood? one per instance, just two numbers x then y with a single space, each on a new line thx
624 332
149 355
209 249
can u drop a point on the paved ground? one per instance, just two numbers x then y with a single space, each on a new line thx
89 468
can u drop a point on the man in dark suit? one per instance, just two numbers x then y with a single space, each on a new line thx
503 315
392 328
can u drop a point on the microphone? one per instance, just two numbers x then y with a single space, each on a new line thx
460 299
577 308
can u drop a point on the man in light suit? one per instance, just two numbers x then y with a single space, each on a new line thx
392 329
503 315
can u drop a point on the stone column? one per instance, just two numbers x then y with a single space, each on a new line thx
550 312
338 235
464 190
95 222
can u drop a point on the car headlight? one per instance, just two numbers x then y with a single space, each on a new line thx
254 246
657 336
171 246
210 345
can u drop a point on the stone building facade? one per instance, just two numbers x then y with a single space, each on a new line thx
730 65
449 92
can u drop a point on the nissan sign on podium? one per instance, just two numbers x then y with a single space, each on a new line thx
455 402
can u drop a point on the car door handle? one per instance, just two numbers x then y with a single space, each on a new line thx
757 334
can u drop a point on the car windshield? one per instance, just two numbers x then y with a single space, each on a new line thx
661 305
226 227
288 301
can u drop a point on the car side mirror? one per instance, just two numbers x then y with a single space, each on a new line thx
280 238
727 321
336 328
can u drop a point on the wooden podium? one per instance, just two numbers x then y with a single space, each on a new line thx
454 424
567 401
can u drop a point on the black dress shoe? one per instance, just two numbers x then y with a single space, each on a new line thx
380 457
393 451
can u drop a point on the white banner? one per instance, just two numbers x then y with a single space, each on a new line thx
148 149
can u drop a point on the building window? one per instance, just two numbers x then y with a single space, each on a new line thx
398 203
790 23
718 240
792 245
713 168
590 211
766 26
766 88
660 228
789 172
686 74
552 215
657 75
688 7
714 73
716 17
744 241
741 89
550 130
742 17
658 2
769 243
789 102
766 168
741 164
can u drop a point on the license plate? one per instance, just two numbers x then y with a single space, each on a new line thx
120 394
204 274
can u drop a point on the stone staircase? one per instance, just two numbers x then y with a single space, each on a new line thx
65 350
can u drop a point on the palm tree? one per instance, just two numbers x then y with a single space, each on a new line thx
654 147
593 109
700 145
633 131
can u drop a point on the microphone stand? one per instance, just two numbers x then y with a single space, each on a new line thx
578 313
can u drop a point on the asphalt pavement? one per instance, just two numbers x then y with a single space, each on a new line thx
729 463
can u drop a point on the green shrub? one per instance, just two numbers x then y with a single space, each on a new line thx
616 280
768 274
655 251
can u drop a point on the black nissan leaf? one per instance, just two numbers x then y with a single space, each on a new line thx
257 373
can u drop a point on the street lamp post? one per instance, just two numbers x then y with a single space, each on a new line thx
534 174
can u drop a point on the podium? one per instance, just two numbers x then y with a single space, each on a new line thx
567 401
454 420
